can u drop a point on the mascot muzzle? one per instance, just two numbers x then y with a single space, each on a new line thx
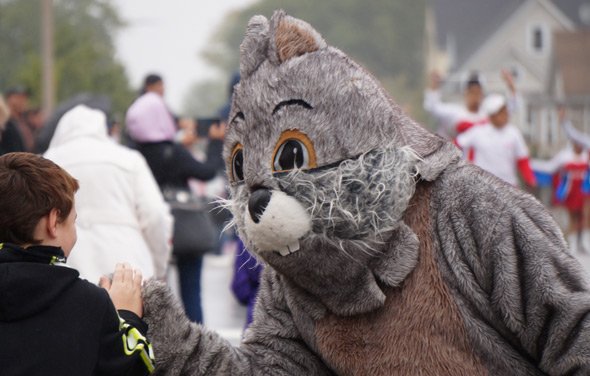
275 221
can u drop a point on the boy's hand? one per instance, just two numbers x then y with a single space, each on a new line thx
125 288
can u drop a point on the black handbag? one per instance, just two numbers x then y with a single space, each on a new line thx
194 231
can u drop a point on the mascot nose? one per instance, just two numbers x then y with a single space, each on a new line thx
257 203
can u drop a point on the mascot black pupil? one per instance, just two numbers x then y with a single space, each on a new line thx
238 163
290 155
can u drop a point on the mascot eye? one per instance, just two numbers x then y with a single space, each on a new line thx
292 154
293 151
237 163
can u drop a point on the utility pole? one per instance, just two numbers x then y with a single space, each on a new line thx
48 79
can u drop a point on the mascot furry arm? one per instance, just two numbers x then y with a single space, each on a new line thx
386 254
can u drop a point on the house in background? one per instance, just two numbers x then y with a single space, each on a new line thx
534 39
569 83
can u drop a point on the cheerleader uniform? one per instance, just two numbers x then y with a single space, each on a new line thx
452 118
572 179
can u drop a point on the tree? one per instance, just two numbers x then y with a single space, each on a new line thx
208 105
385 36
84 50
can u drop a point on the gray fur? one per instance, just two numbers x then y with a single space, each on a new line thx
523 300
271 347
254 46
362 199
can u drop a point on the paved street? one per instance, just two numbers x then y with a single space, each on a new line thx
221 310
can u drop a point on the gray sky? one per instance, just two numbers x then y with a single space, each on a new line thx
166 37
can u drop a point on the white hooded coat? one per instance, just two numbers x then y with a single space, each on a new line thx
122 216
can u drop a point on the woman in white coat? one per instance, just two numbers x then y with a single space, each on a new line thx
122 216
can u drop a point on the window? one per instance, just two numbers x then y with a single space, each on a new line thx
538 39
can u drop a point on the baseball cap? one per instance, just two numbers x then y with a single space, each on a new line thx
493 103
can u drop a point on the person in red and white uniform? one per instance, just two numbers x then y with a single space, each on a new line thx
498 146
572 167
453 118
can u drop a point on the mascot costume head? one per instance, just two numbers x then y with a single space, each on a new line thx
322 165
386 254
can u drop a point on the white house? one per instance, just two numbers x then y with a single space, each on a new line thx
487 36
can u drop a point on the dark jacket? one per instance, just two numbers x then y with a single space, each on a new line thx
172 165
11 139
54 323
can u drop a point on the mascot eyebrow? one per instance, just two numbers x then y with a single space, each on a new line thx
290 102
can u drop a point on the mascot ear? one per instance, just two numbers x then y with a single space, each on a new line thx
254 47
290 37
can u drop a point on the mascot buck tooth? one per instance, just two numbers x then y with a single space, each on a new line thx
386 254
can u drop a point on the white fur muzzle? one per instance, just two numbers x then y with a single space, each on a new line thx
280 227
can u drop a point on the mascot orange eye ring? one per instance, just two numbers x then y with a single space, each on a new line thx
237 163
293 150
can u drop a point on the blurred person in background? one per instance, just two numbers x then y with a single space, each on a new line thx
122 216
148 117
34 120
16 135
498 146
153 129
4 115
97 101
571 165
453 118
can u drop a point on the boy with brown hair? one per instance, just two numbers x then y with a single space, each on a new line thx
51 321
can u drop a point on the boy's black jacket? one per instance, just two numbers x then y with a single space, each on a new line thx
54 323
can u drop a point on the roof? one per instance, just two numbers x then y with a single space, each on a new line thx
572 59
465 25
576 10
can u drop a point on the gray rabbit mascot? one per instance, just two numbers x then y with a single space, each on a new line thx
385 253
